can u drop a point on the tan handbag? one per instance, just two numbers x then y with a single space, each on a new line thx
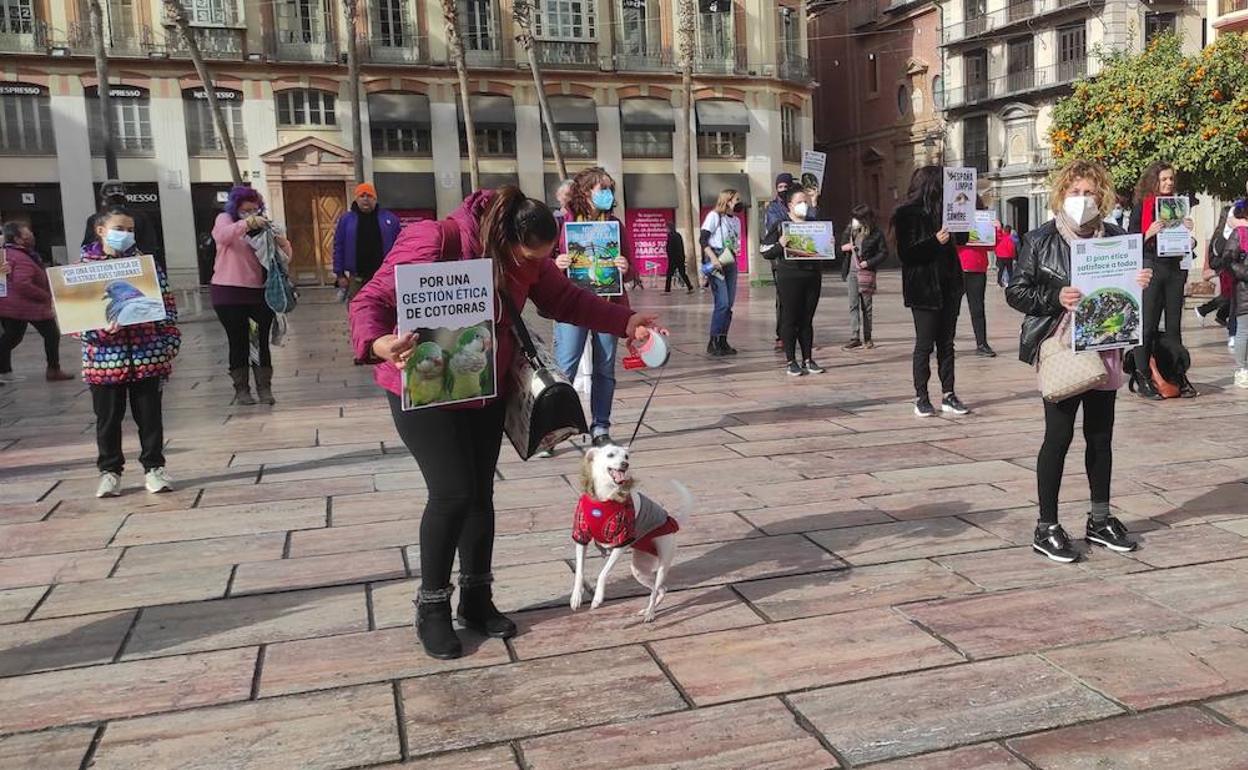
1065 373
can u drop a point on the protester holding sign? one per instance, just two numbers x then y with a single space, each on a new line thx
457 447
974 258
26 299
798 282
720 243
865 250
1165 293
1081 197
128 363
931 284
592 199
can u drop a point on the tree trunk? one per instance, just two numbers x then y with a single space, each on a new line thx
685 182
96 14
522 13
352 8
456 45
178 12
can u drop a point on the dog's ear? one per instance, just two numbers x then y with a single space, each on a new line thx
589 454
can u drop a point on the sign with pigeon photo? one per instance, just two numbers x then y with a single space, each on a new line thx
93 295
450 306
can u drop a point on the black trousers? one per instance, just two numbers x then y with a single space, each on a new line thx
976 287
677 267
1163 295
457 451
934 329
775 278
237 330
1059 430
110 410
15 330
798 292
1220 306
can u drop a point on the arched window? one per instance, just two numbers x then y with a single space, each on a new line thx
790 133
201 130
903 99
25 120
938 92
132 120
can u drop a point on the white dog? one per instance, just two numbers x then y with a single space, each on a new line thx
614 517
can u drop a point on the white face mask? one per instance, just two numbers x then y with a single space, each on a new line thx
854 223
801 210
1081 208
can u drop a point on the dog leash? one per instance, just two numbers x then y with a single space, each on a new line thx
641 418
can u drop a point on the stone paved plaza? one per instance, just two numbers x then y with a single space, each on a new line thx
854 588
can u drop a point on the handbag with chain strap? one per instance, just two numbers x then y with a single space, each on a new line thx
1063 372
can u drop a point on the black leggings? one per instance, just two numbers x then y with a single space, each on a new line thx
676 266
935 329
234 318
1163 295
1059 430
457 451
14 330
798 293
976 285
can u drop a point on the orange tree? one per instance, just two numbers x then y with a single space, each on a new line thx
1162 105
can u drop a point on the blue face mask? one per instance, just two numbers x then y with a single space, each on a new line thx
603 199
119 240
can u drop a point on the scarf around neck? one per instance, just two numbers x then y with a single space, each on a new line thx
1071 232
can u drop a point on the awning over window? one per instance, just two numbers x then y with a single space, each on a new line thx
722 115
488 182
401 190
397 107
710 185
648 114
650 191
574 113
489 111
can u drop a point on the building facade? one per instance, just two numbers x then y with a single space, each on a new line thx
1227 16
279 73
1006 62
878 65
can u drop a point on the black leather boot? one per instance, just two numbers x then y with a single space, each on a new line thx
725 348
477 611
712 347
434 628
242 387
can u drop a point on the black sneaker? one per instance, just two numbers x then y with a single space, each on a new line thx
794 369
951 403
1110 534
602 439
1051 541
812 368
923 407
852 345
984 351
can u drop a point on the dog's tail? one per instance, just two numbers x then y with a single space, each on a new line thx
684 508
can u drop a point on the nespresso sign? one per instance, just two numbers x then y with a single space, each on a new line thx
20 89
119 92
223 94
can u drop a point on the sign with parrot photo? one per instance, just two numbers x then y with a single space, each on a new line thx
594 247
93 295
450 307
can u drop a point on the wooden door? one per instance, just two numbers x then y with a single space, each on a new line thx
312 211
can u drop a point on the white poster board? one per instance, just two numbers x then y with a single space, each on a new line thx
1106 271
1174 240
809 240
959 200
813 164
97 293
983 230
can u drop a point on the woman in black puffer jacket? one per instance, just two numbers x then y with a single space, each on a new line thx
1082 195
931 284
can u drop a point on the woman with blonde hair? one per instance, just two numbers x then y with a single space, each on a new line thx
1081 197
721 243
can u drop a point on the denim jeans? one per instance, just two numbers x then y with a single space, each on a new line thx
724 292
569 345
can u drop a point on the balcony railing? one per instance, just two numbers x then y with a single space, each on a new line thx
656 60
220 43
1016 12
23 36
399 45
303 45
1227 7
795 69
223 15
141 42
568 53
1016 83
486 58
719 62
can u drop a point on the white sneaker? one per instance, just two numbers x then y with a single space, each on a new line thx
1199 315
1241 378
110 485
11 377
156 480
1230 342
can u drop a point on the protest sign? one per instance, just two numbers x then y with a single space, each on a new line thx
594 247
959 200
1174 240
983 230
809 240
450 306
4 279
1106 271
813 164
95 294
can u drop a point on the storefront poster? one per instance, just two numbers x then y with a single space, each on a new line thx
809 240
450 307
1106 270
647 239
813 164
93 295
1174 240
983 231
959 200
593 248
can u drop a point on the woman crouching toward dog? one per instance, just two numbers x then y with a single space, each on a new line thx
457 446
1082 196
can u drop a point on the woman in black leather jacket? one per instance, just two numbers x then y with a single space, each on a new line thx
1082 196
931 284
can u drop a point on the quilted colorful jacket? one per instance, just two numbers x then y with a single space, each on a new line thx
132 353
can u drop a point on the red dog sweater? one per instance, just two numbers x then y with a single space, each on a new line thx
612 524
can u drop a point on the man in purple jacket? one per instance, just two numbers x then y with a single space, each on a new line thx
362 239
